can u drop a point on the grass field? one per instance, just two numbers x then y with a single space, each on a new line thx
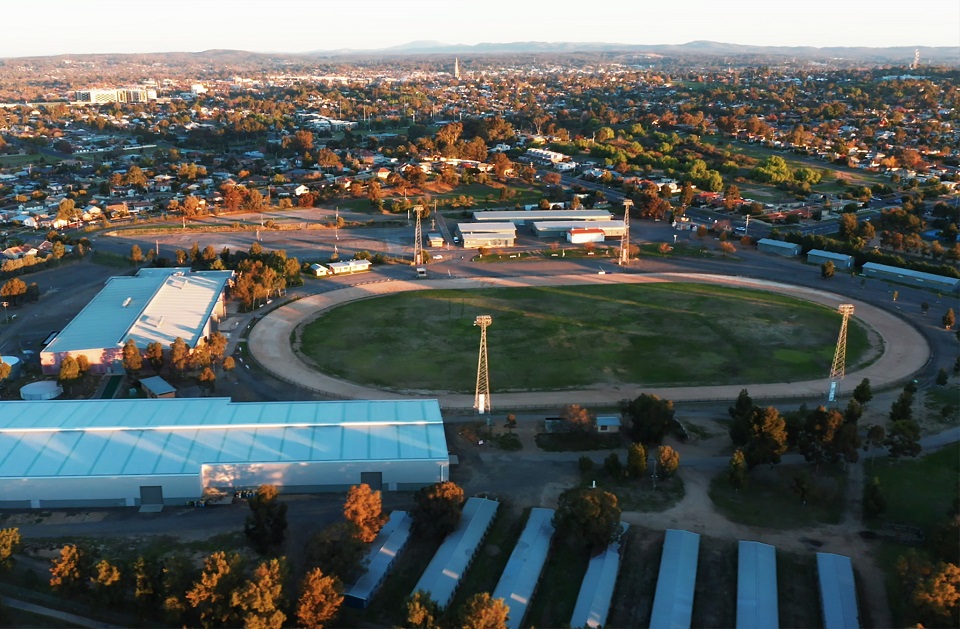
565 337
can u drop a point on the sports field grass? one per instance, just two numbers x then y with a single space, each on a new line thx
572 337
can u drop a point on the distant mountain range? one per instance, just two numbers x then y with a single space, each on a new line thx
893 54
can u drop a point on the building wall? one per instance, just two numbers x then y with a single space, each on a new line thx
841 264
788 252
100 359
488 240
314 476
95 491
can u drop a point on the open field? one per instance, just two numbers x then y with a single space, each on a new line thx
565 337
22 160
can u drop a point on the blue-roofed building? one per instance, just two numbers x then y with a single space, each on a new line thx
67 453
673 602
596 590
384 551
757 606
453 558
522 572
838 592
914 278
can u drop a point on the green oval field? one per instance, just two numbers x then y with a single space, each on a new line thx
580 336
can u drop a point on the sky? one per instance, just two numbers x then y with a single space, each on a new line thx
53 27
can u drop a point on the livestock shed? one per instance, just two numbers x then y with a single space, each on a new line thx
522 572
108 453
559 229
453 558
914 278
778 247
527 217
384 551
673 601
840 261
757 586
596 589
838 592
476 235
155 305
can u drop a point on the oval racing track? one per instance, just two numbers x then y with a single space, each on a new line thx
905 350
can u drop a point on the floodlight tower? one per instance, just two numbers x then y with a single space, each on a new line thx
418 238
481 401
625 239
838 369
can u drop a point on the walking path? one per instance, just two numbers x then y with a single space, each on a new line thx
905 351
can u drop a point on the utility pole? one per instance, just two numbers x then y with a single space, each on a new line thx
625 239
838 370
418 238
481 400
746 229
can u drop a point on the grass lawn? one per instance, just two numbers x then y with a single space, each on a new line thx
564 337
636 494
577 442
20 160
769 497
918 493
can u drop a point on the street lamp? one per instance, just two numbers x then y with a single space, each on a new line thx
5 319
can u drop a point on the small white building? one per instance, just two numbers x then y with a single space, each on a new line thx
579 235
350 267
318 270
608 423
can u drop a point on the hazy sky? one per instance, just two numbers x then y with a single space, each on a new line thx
50 27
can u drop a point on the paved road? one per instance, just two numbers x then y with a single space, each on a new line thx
905 349
56 614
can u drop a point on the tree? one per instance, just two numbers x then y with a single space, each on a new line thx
873 501
577 418
207 380
437 512
132 358
229 364
483 612
69 371
636 460
260 600
934 589
827 270
668 461
510 424
768 438
737 469
422 611
67 572
903 439
104 581
613 466
942 377
862 392
590 517
147 583
155 356
266 526
337 551
818 434
216 344
136 255
727 248
9 545
949 319
5 371
648 418
211 594
364 509
179 355
320 600
13 290
741 413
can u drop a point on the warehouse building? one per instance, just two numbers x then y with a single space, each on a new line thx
914 278
155 305
779 247
560 229
527 217
841 262
475 235
110 453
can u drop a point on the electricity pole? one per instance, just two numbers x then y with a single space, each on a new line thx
838 370
481 401
625 239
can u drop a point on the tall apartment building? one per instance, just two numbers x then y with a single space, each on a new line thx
117 95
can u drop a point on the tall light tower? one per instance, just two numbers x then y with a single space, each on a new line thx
418 238
838 369
481 401
625 239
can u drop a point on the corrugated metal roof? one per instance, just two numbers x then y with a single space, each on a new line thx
379 559
451 560
542 215
155 305
539 226
779 244
522 572
820 253
838 592
487 228
596 590
178 436
673 602
917 275
757 586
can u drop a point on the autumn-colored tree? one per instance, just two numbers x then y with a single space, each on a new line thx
636 460
132 358
737 470
147 583
69 371
668 461
266 526
154 355
229 364
67 572
179 355
5 371
364 509
211 594
510 423
104 581
207 380
483 612
9 545
727 248
578 418
422 611
136 255
588 516
437 510
768 437
83 364
934 589
13 290
320 600
216 344
260 601
949 319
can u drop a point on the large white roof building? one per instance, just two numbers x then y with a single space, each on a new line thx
156 305
130 452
